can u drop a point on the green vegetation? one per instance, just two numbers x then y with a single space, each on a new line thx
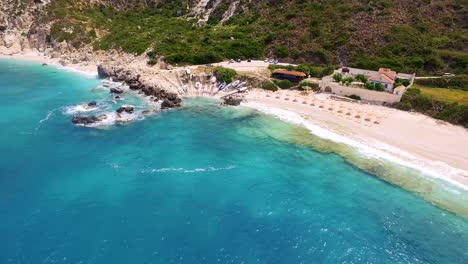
313 86
361 77
457 82
374 86
453 112
404 82
267 85
224 74
338 77
355 97
325 33
283 84
444 94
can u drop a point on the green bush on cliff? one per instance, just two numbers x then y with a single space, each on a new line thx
267 85
224 74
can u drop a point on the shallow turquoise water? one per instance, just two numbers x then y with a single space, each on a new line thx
202 184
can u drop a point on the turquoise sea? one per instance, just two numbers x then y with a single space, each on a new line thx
201 184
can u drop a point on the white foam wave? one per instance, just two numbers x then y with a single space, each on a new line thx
84 73
113 118
69 110
182 170
376 149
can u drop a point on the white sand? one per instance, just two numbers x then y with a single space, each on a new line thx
33 56
413 139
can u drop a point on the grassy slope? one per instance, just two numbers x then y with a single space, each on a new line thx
444 95
417 35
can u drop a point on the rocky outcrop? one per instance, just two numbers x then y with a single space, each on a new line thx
19 26
103 72
234 100
125 108
116 90
169 99
87 120
91 105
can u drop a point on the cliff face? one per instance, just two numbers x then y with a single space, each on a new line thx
19 29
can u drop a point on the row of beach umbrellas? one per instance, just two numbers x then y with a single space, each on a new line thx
331 106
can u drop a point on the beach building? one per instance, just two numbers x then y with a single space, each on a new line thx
386 77
293 76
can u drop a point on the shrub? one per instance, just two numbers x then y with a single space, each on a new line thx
404 82
224 74
282 52
314 86
267 85
355 97
361 77
374 86
284 84
347 81
457 82
152 61
337 77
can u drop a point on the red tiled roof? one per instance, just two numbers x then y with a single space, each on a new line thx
293 73
381 76
390 74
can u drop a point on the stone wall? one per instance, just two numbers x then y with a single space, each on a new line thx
328 86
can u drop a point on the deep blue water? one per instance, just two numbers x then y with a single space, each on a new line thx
201 184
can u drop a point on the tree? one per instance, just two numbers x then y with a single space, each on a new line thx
361 77
379 87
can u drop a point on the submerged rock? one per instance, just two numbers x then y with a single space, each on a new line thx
87 120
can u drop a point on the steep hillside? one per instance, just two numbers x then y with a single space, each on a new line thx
408 35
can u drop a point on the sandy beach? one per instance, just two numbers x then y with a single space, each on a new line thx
418 141
32 56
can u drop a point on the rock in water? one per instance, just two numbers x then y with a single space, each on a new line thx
103 72
92 104
125 108
87 120
116 90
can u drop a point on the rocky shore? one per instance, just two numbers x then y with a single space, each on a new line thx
134 81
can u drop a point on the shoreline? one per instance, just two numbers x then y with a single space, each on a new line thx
37 57
439 152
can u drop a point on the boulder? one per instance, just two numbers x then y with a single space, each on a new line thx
103 72
116 90
92 104
87 120
146 112
232 100
125 108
